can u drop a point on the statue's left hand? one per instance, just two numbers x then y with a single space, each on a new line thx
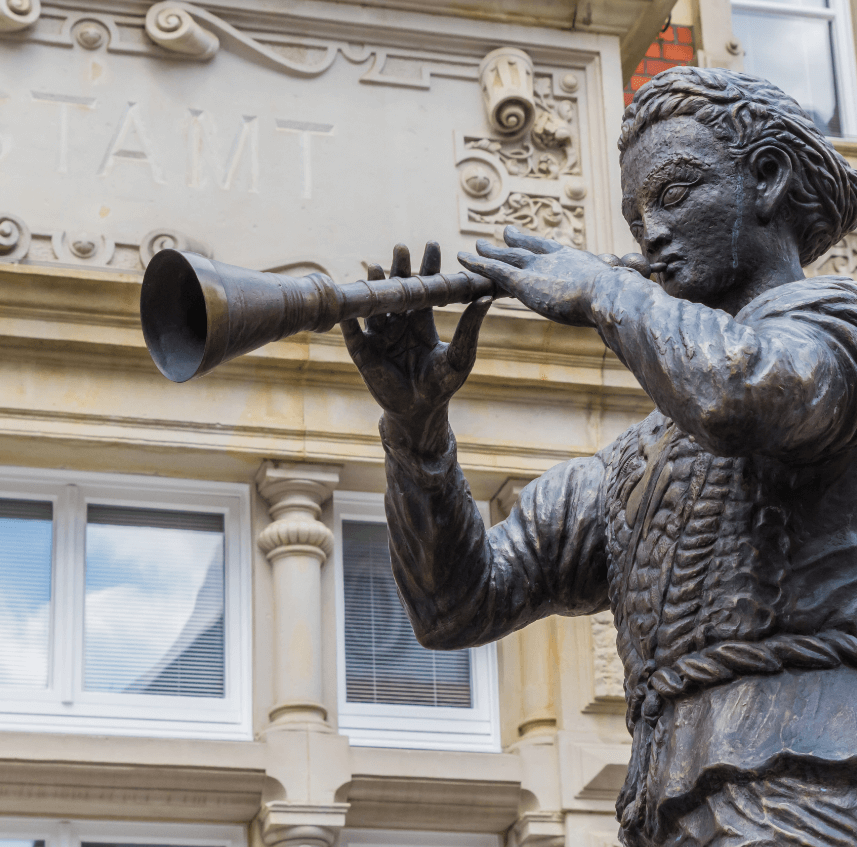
556 281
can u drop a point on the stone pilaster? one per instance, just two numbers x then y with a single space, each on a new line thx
297 544
536 647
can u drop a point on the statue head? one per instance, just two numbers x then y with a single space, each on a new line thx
722 172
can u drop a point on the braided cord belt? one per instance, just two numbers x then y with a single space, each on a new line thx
706 668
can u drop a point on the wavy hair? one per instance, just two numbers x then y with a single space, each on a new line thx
746 113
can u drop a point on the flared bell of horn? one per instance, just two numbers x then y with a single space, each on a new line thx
198 313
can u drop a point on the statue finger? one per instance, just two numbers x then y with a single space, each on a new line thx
515 237
374 273
401 266
431 259
461 353
510 255
506 276
610 259
355 340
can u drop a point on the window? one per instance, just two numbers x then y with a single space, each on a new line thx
392 691
806 47
29 832
124 605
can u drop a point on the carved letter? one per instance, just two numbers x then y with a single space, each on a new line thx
203 147
119 147
64 101
305 132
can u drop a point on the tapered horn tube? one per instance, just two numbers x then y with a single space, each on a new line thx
197 313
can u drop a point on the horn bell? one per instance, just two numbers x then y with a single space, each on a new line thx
197 313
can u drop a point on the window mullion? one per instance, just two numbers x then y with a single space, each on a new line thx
69 600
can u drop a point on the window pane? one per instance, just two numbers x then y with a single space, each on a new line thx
26 540
796 54
21 842
384 662
153 620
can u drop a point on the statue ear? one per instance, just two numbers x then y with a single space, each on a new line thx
772 169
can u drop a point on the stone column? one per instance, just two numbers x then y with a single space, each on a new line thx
297 544
537 649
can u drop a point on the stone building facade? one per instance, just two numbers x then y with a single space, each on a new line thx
188 656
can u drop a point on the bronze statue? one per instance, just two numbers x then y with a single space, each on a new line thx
722 530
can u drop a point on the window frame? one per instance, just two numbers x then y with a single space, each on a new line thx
64 705
72 833
844 61
411 727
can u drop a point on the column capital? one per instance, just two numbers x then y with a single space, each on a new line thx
294 825
295 493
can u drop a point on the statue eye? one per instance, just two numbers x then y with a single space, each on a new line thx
674 193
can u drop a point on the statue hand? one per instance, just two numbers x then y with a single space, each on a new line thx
409 371
557 282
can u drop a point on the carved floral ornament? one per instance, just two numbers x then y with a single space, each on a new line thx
530 178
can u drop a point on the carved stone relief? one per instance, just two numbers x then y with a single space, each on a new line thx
19 244
609 674
533 181
177 30
841 260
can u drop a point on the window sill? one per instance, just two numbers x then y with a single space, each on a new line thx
469 792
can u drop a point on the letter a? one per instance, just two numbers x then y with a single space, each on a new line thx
130 129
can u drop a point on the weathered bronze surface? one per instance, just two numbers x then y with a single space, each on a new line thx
721 530
198 313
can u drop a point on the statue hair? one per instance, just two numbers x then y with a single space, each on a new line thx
747 112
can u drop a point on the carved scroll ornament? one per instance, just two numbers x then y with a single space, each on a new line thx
174 29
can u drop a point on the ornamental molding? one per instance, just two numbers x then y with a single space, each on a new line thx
402 54
20 244
533 180
608 673
171 792
296 825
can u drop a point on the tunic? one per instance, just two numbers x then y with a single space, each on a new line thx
721 530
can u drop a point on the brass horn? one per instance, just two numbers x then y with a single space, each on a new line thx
197 313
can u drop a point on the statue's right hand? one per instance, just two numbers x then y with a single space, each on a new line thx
409 371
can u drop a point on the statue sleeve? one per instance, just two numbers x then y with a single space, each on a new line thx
778 379
464 585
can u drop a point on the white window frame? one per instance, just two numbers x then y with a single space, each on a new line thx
414 727
65 833
64 705
414 838
844 63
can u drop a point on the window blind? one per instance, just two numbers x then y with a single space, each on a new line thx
384 662
26 542
154 602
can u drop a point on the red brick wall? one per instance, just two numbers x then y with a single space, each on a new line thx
674 46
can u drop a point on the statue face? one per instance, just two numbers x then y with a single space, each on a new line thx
686 201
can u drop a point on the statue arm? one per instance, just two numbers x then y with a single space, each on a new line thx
464 585
779 379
